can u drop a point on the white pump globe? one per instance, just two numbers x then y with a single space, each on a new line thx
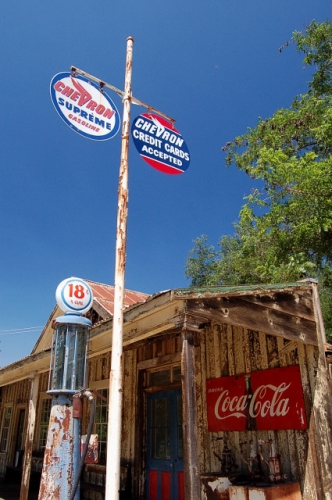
74 295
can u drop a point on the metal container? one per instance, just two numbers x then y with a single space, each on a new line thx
69 352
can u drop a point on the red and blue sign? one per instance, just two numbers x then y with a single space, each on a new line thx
160 144
84 107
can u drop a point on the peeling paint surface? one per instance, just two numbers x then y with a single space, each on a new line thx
57 475
290 491
215 488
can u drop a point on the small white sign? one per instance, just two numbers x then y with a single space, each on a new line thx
74 295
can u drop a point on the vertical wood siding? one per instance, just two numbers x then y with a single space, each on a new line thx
221 350
227 350
12 395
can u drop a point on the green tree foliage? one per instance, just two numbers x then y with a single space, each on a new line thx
284 231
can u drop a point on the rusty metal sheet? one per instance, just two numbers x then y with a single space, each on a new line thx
58 469
215 487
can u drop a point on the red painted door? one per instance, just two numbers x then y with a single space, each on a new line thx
165 479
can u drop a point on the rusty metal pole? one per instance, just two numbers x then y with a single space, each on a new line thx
115 386
58 466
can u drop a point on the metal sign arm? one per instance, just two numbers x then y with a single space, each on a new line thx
120 93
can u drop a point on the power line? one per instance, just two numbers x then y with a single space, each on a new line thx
18 331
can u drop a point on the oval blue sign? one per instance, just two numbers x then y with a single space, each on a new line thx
84 107
160 144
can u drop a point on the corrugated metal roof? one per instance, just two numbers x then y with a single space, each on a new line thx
104 295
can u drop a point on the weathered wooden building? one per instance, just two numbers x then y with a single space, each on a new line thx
225 390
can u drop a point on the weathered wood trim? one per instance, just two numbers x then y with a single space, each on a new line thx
162 335
322 409
237 312
320 329
300 288
100 344
20 370
137 335
152 303
191 461
169 359
30 433
287 303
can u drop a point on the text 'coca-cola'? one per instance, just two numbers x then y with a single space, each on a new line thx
262 400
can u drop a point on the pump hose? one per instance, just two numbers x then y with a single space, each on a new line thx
90 397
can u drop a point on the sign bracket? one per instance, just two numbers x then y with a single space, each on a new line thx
121 93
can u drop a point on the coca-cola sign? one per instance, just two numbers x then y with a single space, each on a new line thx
263 400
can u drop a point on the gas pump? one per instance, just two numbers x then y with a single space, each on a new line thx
63 463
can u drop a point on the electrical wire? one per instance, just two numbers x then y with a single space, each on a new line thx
17 331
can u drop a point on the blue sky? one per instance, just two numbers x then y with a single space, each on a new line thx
214 66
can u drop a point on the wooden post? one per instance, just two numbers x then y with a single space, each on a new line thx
34 388
322 410
115 384
191 464
115 387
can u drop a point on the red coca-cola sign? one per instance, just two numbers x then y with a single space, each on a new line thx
263 400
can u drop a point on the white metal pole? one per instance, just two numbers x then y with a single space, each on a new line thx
115 387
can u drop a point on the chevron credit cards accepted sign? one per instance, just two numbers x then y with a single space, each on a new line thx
160 144
84 107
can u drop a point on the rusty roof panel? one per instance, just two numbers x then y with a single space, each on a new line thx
104 295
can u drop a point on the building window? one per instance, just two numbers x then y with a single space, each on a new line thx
164 377
44 422
101 419
5 428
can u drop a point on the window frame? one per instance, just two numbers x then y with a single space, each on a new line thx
43 397
8 427
100 403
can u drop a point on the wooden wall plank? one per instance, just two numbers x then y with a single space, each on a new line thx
191 461
229 350
204 444
287 446
216 345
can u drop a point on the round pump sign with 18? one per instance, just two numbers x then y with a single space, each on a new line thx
74 295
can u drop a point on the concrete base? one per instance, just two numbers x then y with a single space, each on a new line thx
284 491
